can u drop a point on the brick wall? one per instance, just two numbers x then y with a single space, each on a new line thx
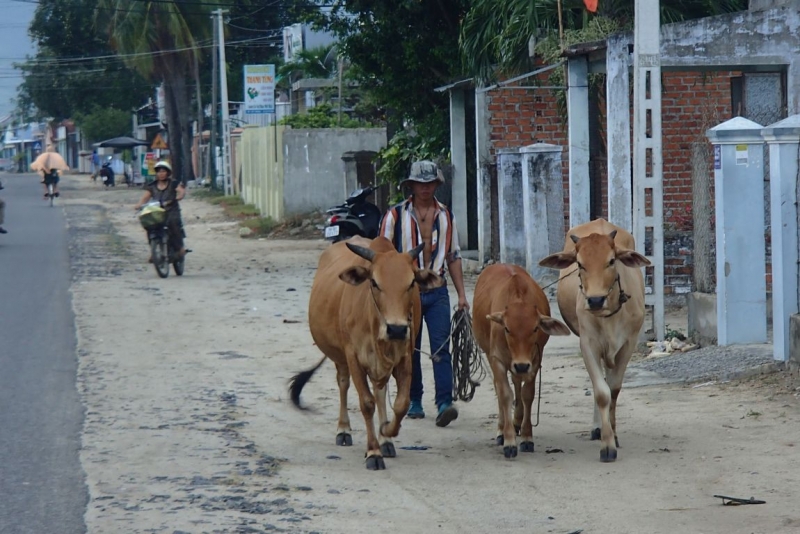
692 102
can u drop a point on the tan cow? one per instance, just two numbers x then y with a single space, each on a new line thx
601 298
368 330
512 324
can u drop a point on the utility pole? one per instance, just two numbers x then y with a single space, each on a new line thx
647 144
212 143
226 120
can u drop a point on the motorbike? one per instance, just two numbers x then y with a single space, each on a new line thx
153 218
356 216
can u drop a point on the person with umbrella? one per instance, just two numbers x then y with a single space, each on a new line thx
49 164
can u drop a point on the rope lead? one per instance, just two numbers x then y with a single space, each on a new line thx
469 369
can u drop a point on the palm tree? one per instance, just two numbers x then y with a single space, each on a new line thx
159 40
495 34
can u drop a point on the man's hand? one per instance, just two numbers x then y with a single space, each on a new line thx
463 304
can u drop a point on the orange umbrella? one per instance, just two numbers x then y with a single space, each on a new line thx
47 161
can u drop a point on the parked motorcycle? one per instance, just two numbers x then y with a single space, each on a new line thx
355 217
153 218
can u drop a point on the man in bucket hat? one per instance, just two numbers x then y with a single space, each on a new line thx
423 219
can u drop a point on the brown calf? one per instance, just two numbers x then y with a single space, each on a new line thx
512 325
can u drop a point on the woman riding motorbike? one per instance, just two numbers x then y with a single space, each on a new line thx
168 192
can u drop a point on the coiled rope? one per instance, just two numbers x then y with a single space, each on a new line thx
469 369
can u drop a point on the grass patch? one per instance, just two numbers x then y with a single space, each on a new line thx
206 193
241 210
260 226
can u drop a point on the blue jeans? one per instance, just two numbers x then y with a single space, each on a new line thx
436 316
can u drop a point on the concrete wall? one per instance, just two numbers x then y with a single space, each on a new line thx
314 177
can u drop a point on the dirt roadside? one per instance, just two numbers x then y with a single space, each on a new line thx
188 428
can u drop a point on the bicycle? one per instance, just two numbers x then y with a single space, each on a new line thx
153 218
51 194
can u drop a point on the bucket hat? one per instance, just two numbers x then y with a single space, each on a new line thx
424 171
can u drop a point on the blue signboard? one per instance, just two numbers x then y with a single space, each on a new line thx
37 145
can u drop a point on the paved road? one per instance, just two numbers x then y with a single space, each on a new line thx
42 488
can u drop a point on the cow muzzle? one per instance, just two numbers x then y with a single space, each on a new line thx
396 332
595 303
521 368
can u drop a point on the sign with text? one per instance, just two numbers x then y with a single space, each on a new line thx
259 89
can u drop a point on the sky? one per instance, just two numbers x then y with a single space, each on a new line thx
15 45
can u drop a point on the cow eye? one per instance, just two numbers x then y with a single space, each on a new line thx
375 284
611 263
507 330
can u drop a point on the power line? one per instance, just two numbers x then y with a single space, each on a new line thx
115 57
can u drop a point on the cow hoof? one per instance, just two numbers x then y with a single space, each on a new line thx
344 440
499 440
595 434
375 463
526 446
608 454
387 450
510 451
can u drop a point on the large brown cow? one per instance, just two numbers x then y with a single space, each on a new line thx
601 298
368 330
512 324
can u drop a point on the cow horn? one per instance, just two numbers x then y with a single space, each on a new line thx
574 238
365 253
414 253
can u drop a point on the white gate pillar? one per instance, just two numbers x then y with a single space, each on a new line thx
618 112
739 208
458 157
484 165
784 141
543 206
509 198
578 137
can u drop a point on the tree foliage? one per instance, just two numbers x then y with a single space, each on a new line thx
104 123
160 41
495 34
399 51
322 116
60 80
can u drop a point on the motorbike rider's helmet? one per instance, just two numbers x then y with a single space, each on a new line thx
163 165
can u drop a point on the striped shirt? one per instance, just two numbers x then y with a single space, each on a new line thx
444 238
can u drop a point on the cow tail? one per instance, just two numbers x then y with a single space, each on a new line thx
299 381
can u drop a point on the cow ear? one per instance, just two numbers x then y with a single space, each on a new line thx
561 260
553 327
355 275
497 317
631 258
428 279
